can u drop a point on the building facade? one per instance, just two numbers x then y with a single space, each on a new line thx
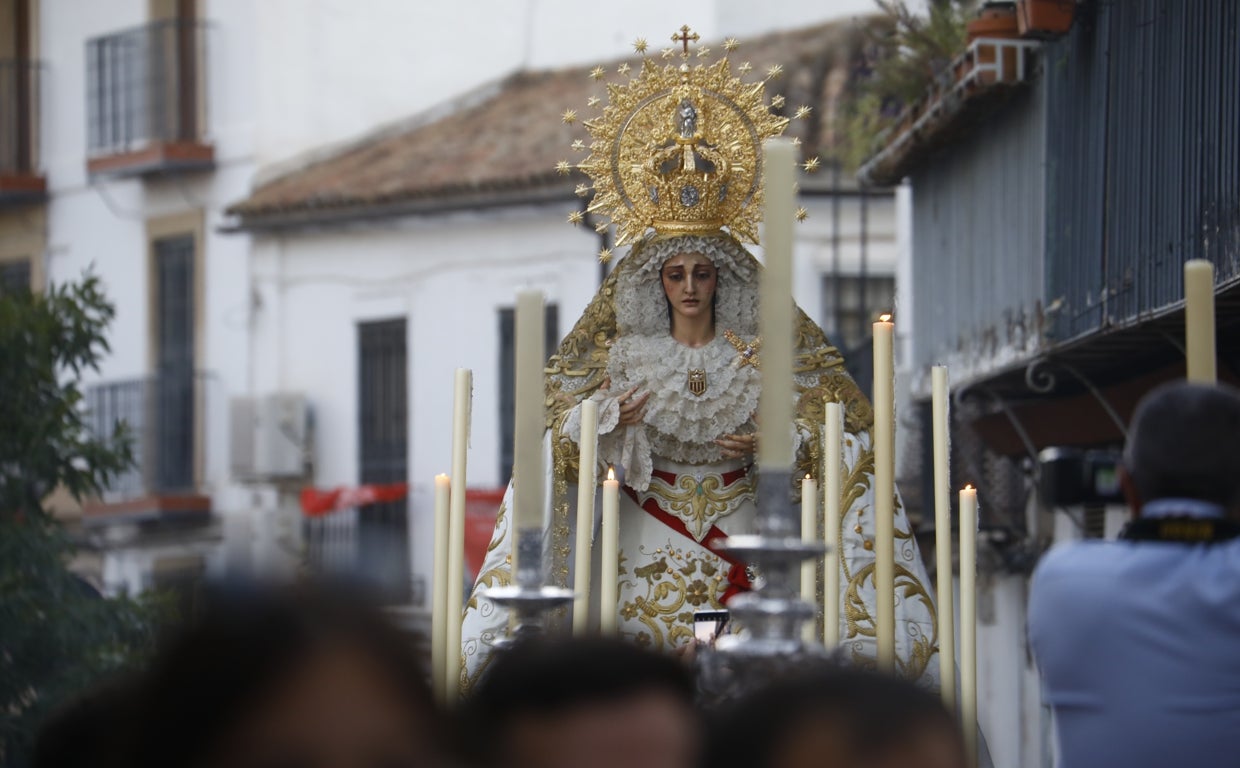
255 358
1052 211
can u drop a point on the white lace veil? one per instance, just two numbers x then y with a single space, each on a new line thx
641 305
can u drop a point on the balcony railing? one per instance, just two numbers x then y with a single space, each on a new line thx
21 176
161 414
146 104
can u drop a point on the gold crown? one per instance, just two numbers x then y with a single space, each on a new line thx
678 148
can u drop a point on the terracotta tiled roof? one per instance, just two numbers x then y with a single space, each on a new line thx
506 146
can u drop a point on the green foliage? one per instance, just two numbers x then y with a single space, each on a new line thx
904 55
57 635
46 341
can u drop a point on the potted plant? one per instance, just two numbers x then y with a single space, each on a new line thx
995 21
1044 18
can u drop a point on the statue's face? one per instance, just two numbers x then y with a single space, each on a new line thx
689 281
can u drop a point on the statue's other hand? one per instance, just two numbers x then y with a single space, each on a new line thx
738 446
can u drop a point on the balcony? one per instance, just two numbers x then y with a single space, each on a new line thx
21 177
146 101
161 414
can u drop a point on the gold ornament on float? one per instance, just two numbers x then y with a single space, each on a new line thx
678 147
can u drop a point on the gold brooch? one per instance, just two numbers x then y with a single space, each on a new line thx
697 381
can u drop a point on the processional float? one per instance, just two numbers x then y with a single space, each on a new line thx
784 549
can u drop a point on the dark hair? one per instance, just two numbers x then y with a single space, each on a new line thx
550 677
248 642
87 730
1184 442
875 712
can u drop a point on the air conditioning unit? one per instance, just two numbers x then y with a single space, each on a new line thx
271 437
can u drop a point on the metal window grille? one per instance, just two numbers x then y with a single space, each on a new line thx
143 86
848 303
383 441
173 390
15 276
124 405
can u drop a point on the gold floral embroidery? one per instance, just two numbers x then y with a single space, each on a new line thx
699 502
667 590
861 624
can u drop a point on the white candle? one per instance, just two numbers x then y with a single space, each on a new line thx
610 550
585 516
1199 321
833 488
809 517
439 593
530 415
776 307
943 535
461 407
968 621
884 495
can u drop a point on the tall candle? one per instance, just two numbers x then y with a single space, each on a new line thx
943 535
775 321
809 519
439 593
585 516
832 491
1199 321
884 495
461 405
968 621
609 545
530 415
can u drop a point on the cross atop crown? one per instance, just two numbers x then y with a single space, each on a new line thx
685 37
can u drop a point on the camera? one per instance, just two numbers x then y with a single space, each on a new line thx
1072 477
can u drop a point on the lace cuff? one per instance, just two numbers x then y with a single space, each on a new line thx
630 448
608 417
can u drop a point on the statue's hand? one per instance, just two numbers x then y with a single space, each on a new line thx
632 407
738 446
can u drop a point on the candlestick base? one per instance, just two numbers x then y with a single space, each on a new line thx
770 616
530 599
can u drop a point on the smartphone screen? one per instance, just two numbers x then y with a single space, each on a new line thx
708 626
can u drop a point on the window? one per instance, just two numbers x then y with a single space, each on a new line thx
507 378
850 304
383 446
15 276
174 423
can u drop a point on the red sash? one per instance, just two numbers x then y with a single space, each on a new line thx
738 579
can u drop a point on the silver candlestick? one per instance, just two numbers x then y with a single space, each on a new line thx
771 615
530 599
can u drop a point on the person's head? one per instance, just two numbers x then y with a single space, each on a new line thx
596 702
298 679
689 284
836 718
1184 442
87 730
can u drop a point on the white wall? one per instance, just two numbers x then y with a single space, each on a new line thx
101 224
448 276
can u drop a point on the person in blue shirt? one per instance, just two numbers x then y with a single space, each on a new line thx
1138 640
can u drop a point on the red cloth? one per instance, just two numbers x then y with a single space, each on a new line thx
315 502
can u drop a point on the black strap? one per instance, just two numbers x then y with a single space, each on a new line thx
1181 530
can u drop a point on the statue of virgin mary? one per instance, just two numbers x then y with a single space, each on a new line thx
669 350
